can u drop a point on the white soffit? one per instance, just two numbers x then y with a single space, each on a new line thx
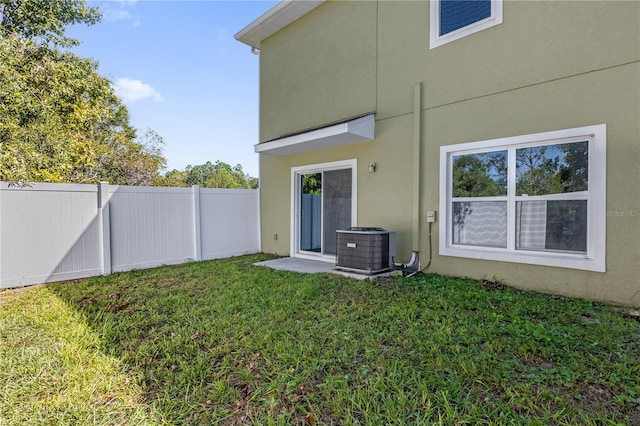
356 130
275 19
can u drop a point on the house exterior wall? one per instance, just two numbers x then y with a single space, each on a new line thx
324 62
548 66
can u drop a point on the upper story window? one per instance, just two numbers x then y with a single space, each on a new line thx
537 199
454 19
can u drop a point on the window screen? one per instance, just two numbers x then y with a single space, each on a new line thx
456 14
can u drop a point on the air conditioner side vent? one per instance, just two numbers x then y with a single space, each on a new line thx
365 250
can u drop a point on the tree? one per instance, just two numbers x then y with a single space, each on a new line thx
60 121
312 183
552 169
536 172
173 178
218 175
132 162
574 170
480 175
45 21
209 175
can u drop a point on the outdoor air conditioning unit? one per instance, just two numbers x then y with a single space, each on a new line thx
365 250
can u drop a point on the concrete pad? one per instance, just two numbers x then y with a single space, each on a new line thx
295 264
364 277
307 266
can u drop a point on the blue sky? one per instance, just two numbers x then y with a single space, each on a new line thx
177 67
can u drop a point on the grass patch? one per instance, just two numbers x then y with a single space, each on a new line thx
223 342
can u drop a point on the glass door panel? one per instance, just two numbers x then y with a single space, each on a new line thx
324 200
311 212
336 212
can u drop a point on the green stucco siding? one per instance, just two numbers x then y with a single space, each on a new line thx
324 62
586 99
549 66
538 41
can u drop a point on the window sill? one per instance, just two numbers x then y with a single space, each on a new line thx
555 259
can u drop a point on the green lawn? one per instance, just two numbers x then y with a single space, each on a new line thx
224 342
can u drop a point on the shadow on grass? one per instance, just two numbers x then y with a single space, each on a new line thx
224 342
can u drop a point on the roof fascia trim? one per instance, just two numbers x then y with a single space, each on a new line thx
275 19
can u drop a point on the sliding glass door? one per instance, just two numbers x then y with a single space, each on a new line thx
323 203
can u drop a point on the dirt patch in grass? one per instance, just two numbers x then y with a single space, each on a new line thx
536 362
594 400
491 285
386 281
118 307
632 315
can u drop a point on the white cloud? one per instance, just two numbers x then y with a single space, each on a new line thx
134 90
117 12
111 15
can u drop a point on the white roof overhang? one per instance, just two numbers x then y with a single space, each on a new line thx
352 131
275 19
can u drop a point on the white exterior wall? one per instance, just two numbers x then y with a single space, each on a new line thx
53 232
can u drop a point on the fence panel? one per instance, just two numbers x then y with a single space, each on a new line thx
54 232
48 233
229 223
150 226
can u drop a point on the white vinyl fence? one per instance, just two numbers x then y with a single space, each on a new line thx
55 232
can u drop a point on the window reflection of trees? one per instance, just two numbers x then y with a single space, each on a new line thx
480 175
477 175
540 171
552 169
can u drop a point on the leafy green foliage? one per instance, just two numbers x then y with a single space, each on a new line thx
540 170
224 342
480 175
60 121
45 21
312 183
574 169
552 169
537 173
209 175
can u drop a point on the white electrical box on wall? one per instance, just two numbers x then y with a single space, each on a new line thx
431 216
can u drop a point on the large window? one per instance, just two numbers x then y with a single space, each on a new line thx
454 19
536 199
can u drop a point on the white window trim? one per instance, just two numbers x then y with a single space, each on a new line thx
436 39
593 260
295 203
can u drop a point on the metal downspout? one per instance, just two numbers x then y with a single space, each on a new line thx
417 122
413 266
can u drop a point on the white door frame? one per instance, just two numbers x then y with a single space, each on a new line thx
296 172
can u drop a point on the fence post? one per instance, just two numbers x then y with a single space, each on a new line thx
259 221
197 244
105 228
